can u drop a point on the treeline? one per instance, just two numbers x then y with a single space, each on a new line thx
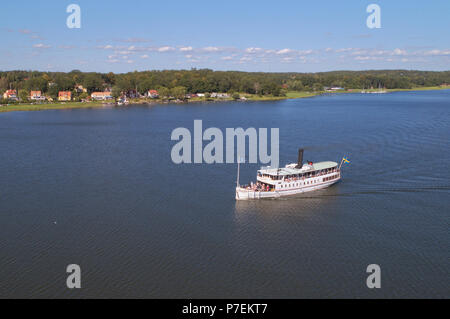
205 80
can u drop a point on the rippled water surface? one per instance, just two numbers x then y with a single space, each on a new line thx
97 188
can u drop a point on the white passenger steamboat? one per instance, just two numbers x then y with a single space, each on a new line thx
292 179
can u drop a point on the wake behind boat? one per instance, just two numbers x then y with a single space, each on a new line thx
292 179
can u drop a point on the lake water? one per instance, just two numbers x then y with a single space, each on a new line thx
97 188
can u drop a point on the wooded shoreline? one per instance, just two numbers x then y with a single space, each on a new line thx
99 104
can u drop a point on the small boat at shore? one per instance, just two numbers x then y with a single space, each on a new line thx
122 101
290 180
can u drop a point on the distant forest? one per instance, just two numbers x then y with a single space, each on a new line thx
205 80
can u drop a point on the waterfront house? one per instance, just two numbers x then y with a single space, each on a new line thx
153 94
64 96
80 89
220 95
101 96
10 95
107 87
132 94
36 96
201 94
333 89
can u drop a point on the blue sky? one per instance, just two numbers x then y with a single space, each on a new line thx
272 36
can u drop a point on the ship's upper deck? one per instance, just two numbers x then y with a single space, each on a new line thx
291 170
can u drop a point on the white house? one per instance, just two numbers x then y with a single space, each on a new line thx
101 96
36 96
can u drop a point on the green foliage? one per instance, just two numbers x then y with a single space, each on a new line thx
178 92
170 82
116 92
93 82
163 92
24 95
83 96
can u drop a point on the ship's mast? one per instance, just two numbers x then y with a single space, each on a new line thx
238 172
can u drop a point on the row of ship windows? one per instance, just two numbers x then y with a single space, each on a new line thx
297 184
326 179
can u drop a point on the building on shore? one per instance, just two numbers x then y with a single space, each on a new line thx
220 95
36 96
10 95
64 96
80 89
153 94
101 96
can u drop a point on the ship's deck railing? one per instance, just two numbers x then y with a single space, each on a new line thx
282 178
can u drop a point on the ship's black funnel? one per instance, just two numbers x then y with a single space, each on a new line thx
300 158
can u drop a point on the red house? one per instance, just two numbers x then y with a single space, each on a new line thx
64 96
153 94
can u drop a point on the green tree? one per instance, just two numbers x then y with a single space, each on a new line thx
163 92
317 87
24 96
83 96
116 92
93 82
179 92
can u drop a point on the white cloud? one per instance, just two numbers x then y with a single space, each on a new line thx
287 60
253 50
398 51
211 49
306 52
285 51
437 52
145 56
133 40
41 46
105 47
124 52
186 49
165 49
345 50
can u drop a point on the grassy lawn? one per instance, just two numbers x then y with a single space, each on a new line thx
50 106
423 88
299 95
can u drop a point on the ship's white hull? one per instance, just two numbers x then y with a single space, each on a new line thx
245 194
